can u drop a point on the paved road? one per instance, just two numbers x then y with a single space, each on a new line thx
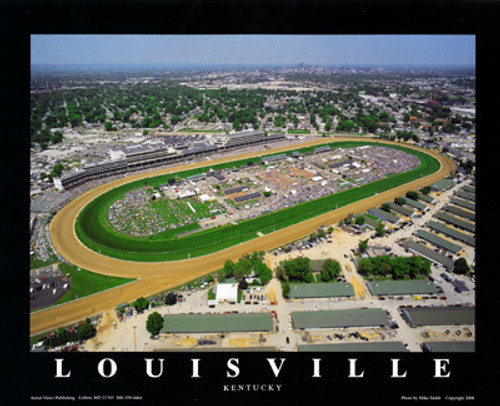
153 277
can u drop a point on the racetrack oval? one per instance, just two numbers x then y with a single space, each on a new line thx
153 277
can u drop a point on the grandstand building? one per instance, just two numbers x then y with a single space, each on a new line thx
161 151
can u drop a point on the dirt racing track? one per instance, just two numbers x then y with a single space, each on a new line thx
153 277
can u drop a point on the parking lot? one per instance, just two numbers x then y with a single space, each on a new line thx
45 291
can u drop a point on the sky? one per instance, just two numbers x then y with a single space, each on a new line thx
276 50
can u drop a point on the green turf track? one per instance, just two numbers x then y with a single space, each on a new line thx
98 236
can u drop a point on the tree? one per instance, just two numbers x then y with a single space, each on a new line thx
170 299
228 268
86 330
400 200
141 304
363 245
330 270
360 221
108 126
412 195
280 272
154 323
286 288
298 268
380 230
386 207
461 266
56 138
242 284
57 170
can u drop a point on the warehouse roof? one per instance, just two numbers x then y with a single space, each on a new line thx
235 190
468 188
216 349
384 215
400 209
220 323
402 287
340 318
316 264
438 241
452 232
320 290
460 212
442 184
389 346
439 316
369 221
425 198
449 346
464 203
425 252
246 197
467 195
414 203
455 221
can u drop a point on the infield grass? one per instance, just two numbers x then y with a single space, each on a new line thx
101 238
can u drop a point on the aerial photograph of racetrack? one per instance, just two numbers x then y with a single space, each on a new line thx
252 193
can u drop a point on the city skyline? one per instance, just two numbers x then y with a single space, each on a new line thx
263 50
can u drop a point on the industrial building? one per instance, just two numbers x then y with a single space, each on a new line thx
340 319
415 287
320 290
388 346
439 316
425 252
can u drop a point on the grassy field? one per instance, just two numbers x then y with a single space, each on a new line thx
85 283
99 237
